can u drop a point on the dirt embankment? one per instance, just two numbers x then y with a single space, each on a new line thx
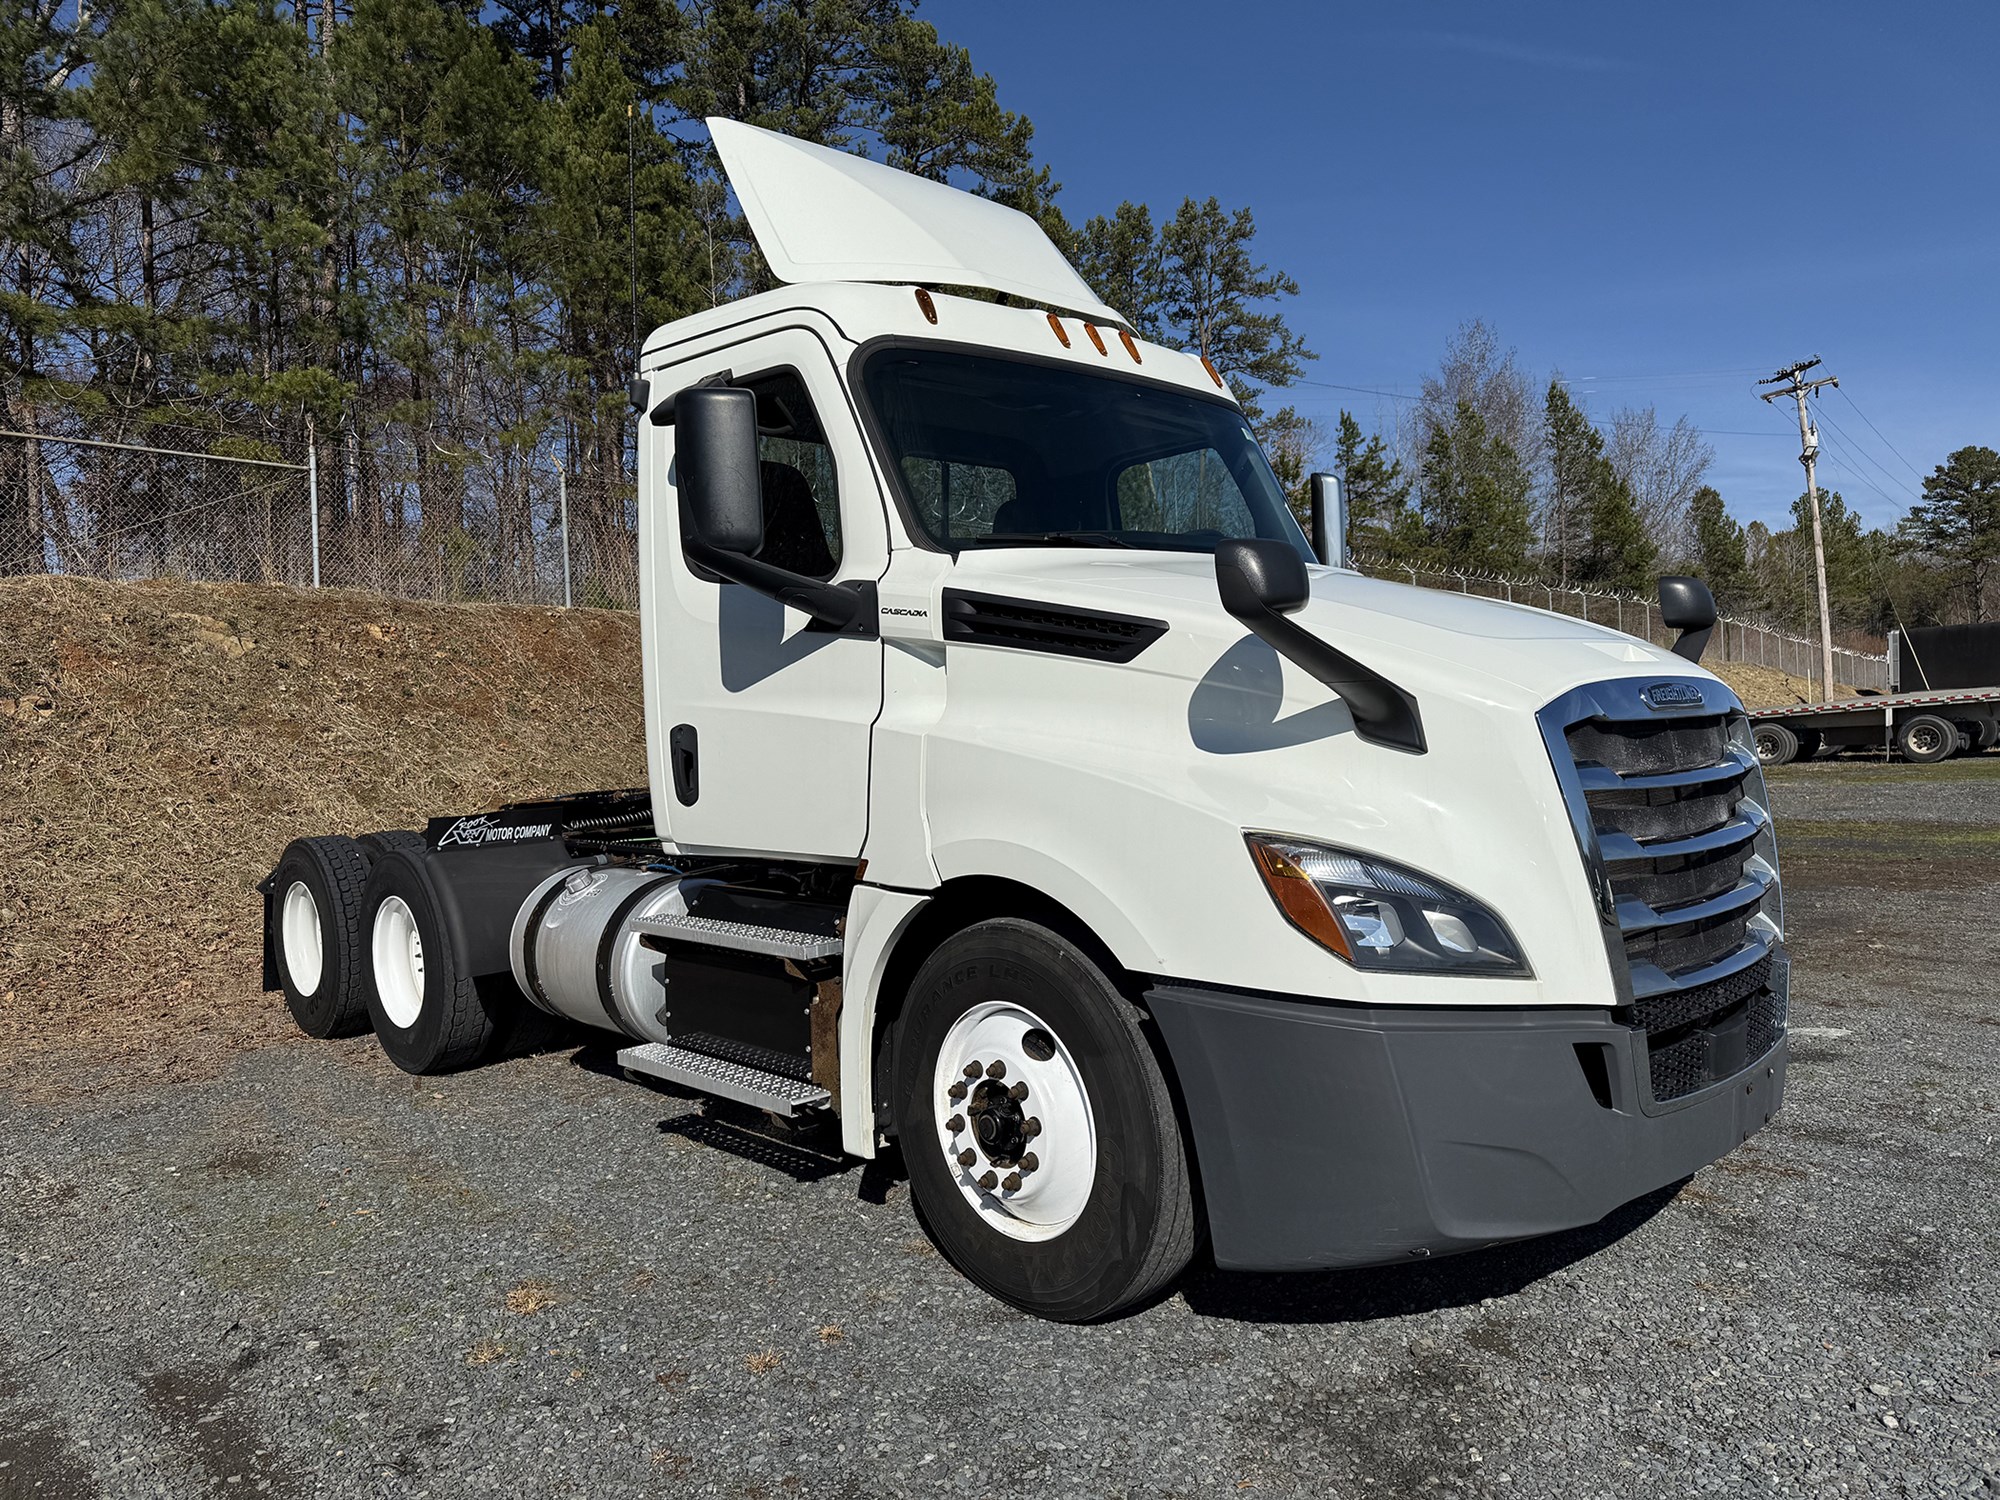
160 742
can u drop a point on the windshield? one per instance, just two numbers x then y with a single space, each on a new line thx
1004 452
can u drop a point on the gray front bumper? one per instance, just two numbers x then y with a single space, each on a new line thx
1331 1135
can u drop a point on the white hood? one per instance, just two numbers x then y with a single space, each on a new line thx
822 215
1490 649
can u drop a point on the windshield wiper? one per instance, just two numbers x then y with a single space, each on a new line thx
1052 539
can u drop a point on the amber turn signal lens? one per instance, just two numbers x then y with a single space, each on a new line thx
929 307
1096 337
1131 346
1212 375
1299 899
1062 334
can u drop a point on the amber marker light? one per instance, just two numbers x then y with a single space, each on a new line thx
1298 898
1096 337
1062 334
929 307
1131 346
1212 375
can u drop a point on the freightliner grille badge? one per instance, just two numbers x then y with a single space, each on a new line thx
1672 695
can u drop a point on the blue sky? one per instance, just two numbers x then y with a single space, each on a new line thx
1664 202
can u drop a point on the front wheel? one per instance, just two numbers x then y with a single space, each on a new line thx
1042 1144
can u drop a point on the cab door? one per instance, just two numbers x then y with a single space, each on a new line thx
758 719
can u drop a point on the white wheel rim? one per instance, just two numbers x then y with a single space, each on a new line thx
399 962
298 927
1026 1186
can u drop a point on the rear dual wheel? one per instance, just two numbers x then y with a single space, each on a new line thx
429 1016
317 889
1926 739
1043 1147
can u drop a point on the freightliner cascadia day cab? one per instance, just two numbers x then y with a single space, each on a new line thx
1026 794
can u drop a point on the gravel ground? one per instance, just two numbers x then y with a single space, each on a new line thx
313 1276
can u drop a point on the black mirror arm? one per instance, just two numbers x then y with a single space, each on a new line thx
844 608
1691 643
1383 713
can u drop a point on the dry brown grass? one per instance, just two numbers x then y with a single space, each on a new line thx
160 743
530 1297
1767 687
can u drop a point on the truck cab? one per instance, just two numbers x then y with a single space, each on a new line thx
1026 792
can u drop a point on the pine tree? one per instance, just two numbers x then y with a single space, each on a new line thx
1215 296
1573 449
1122 260
1617 553
1380 521
1957 524
1721 554
1475 499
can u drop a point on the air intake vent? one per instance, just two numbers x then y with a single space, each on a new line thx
1031 626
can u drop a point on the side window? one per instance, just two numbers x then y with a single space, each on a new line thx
956 499
1182 493
795 465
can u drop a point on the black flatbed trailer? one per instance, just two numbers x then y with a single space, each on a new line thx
1944 701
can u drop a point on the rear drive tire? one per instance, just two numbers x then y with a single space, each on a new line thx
429 1016
1776 745
1077 1201
390 840
317 893
1926 739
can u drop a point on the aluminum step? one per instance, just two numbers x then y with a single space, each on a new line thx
724 1079
741 937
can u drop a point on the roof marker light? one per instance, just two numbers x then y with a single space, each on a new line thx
1131 346
1061 333
1212 375
929 307
1096 337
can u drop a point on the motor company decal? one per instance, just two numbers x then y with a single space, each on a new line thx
473 833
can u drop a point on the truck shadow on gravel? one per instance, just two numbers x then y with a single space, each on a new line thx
1362 1296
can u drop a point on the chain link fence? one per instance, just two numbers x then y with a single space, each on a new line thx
423 522
1749 642
417 524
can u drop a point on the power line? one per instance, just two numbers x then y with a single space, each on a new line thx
1878 432
1791 381
1854 444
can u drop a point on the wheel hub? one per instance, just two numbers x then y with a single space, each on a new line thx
1011 1101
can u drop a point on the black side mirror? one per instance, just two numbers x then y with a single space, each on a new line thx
1254 575
1261 582
715 453
1687 606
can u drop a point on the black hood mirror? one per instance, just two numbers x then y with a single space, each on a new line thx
1687 606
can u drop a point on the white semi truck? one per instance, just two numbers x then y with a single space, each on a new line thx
1026 793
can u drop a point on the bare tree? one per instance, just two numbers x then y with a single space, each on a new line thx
1664 466
1478 373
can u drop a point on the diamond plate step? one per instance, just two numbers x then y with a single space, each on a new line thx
742 937
722 1078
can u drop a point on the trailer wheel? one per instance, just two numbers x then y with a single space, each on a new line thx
1809 743
1042 1144
1926 738
1776 745
1985 734
429 1017
317 894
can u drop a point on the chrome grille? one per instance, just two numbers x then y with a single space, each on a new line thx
1669 813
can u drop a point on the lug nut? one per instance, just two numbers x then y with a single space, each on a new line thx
1030 1162
955 1124
955 1093
1011 1182
997 1069
1031 1127
1018 1092
967 1157
972 1070
988 1182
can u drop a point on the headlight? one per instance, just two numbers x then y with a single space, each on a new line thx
1378 915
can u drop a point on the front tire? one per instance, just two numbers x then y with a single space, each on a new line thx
1077 1200
429 1016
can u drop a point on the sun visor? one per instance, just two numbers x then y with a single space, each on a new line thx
822 215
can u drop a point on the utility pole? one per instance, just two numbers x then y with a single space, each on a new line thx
1791 382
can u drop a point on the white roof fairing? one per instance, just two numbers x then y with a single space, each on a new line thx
822 215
